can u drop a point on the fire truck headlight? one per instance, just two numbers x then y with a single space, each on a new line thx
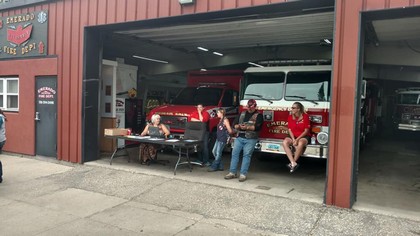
316 119
322 138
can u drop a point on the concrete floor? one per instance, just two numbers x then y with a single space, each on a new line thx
389 176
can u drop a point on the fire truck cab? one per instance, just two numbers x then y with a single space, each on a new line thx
275 89
213 89
407 112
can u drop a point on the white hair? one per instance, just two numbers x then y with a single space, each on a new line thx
154 117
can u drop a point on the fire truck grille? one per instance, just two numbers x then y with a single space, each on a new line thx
174 122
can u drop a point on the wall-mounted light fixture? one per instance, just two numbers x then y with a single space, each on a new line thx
185 2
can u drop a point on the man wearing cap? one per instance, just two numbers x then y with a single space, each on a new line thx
248 125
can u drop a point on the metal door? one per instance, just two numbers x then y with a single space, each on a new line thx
46 116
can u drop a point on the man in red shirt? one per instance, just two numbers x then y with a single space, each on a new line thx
202 116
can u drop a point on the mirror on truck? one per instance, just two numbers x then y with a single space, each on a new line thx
363 89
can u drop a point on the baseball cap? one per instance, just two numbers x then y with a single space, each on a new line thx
251 103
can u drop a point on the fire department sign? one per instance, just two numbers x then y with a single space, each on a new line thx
24 35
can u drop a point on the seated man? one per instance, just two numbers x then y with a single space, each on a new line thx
298 128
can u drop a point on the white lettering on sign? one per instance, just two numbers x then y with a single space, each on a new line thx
46 102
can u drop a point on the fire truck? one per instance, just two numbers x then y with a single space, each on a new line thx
213 89
407 112
275 89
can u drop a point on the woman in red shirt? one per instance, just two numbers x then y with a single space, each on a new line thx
298 127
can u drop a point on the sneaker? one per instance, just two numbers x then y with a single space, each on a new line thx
207 164
289 166
230 176
242 178
211 170
293 168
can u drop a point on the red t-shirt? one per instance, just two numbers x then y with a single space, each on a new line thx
206 116
298 127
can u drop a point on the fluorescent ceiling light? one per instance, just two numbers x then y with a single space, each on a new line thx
203 49
218 53
203 70
255 64
327 41
150 59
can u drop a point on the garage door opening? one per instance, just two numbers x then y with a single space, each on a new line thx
164 50
389 167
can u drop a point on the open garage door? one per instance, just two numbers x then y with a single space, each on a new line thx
165 50
389 167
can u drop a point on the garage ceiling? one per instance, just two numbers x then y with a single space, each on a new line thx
245 39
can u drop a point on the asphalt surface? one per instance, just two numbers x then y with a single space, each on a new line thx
41 196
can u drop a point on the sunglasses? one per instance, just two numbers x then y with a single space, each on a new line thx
295 107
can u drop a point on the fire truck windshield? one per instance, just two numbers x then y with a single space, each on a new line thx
201 95
308 86
409 99
266 86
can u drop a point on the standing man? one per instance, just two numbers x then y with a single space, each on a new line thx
2 138
202 116
248 124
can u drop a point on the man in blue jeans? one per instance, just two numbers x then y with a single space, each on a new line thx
248 124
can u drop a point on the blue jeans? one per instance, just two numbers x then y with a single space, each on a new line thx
217 153
247 146
203 156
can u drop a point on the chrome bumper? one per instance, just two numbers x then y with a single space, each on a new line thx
275 146
410 127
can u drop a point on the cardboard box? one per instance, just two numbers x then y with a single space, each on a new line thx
116 132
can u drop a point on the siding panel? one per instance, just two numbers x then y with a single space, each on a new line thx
152 9
93 12
201 6
102 12
215 5
399 3
142 9
131 10
111 11
164 8
229 4
244 3
75 78
121 11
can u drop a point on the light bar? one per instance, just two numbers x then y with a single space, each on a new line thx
150 59
203 49
218 53
255 64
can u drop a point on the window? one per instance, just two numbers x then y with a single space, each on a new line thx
9 93
266 86
308 86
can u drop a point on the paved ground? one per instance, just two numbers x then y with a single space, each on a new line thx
46 197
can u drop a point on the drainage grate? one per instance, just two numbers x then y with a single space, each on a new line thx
263 187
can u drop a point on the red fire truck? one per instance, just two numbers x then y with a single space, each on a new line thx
275 89
407 112
213 89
